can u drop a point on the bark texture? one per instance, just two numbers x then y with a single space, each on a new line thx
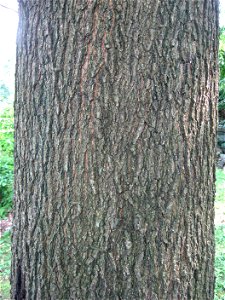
115 123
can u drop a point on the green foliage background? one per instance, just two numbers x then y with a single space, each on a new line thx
220 263
6 160
5 261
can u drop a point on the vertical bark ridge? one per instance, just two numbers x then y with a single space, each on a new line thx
114 158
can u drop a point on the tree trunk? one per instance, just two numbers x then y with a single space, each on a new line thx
114 157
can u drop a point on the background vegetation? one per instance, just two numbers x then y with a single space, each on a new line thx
5 260
6 160
220 235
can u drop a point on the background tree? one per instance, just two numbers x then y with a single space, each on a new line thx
115 141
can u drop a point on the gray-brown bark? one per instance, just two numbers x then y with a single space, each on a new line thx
115 122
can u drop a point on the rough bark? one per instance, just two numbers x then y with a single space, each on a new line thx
115 123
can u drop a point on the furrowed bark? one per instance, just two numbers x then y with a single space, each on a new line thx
115 124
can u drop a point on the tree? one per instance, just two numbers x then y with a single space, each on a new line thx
115 125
